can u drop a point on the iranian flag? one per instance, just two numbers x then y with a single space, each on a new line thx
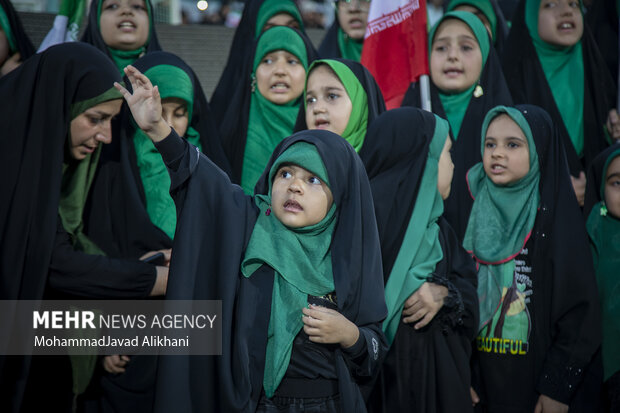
396 46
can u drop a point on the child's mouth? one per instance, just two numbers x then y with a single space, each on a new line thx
497 168
321 124
279 87
292 206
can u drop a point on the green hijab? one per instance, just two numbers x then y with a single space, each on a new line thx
77 177
174 82
485 8
122 58
604 232
269 122
501 219
455 104
563 68
355 132
270 8
303 267
5 25
420 250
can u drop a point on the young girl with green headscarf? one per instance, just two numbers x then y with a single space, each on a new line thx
603 226
345 38
539 317
304 245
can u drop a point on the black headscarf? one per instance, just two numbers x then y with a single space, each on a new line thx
466 147
233 124
329 49
22 41
208 251
528 84
31 157
376 104
92 32
240 57
117 219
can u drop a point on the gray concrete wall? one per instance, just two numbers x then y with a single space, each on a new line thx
204 48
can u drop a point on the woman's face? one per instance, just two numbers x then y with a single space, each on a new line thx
328 105
480 15
560 22
612 187
353 17
506 157
298 197
280 77
281 19
456 59
175 113
92 127
445 170
124 24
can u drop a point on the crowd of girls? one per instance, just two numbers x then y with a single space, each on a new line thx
464 259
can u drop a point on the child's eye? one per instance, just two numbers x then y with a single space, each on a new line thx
181 112
513 145
111 6
310 99
285 174
314 180
574 4
332 96
139 7
440 48
549 5
489 145
466 48
293 61
615 183
267 60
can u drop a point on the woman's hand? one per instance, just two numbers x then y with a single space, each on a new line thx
424 304
324 325
145 104
115 364
613 125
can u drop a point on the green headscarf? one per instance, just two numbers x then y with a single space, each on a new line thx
6 28
77 176
355 132
174 82
270 8
604 231
420 250
269 122
501 219
122 58
455 104
485 8
303 266
349 48
563 68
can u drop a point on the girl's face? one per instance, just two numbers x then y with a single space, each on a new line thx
280 77
328 105
174 111
506 157
456 59
298 197
612 187
480 15
560 22
446 170
353 17
281 19
91 127
124 24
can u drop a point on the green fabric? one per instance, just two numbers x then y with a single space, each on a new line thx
355 132
501 218
74 10
349 48
485 8
172 82
604 232
420 250
270 8
5 26
455 104
122 58
77 176
269 122
302 267
563 68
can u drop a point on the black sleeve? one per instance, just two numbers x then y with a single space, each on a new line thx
96 276
364 357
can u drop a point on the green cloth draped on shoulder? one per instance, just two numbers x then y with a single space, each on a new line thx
302 267
270 8
269 122
122 58
604 232
501 219
485 8
172 82
77 177
5 26
455 104
563 68
421 250
355 132
349 48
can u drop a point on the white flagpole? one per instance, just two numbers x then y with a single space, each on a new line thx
425 93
